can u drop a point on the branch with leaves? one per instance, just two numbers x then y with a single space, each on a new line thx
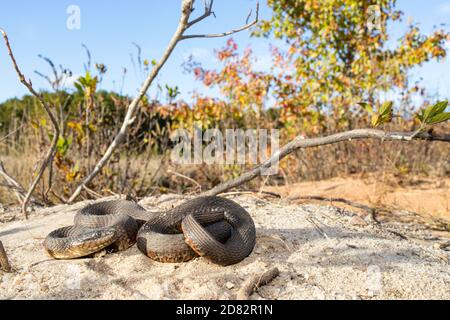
48 159
184 24
301 143
429 116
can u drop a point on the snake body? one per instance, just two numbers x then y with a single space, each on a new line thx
212 227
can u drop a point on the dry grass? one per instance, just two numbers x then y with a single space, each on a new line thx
146 173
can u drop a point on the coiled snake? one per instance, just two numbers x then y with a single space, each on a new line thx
212 227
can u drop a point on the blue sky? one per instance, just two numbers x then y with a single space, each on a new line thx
108 28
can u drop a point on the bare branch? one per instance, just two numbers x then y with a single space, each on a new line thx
224 34
208 12
51 151
186 10
301 143
16 186
11 133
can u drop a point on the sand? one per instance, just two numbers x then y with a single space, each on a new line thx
322 252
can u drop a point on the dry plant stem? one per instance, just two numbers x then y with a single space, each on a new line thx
12 183
183 25
185 177
369 210
4 262
51 151
11 133
255 282
301 143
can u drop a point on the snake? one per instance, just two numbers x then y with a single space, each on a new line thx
218 229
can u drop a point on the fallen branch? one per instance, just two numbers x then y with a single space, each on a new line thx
251 192
4 262
184 24
301 143
51 151
256 282
369 210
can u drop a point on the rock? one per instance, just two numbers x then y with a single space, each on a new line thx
229 285
358 221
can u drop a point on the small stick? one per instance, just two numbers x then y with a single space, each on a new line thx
185 177
92 193
245 192
4 262
367 209
445 245
255 282
319 229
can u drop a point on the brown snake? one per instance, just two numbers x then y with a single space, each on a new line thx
212 227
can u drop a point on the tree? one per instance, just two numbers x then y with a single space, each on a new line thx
340 53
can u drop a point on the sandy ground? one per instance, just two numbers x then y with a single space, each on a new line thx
322 252
428 199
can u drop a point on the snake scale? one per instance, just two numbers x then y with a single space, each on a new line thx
215 228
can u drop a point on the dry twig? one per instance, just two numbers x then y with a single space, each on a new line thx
255 282
185 177
4 262
369 210
14 185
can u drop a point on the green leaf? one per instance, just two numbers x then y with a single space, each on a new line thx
384 114
441 117
386 108
420 116
366 106
63 145
78 87
428 115
440 107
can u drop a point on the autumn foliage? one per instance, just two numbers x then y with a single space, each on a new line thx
333 67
